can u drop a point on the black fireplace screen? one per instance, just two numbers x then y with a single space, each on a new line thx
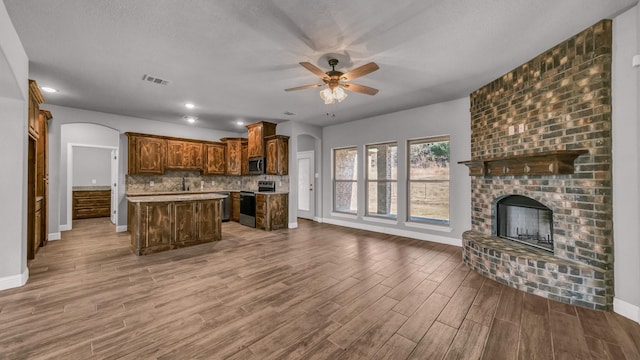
525 220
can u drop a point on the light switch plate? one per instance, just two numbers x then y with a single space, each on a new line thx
521 128
512 130
152 183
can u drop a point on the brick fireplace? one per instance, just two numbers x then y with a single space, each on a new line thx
543 132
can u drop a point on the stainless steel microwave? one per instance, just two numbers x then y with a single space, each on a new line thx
256 166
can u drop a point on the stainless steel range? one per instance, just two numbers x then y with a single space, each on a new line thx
248 202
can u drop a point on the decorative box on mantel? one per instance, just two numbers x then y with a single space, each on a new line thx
546 163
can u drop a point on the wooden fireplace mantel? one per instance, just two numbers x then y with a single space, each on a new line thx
545 163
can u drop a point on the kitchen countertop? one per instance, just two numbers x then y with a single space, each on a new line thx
91 188
182 196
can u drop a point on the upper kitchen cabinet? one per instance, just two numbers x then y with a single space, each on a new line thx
233 155
146 154
245 157
257 133
277 155
184 155
35 99
214 159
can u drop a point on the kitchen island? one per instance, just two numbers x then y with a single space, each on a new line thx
170 221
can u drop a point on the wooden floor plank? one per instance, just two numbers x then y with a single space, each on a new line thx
275 295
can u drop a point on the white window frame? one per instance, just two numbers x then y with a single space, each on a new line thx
368 181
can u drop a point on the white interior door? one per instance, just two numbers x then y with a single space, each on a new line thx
114 186
306 185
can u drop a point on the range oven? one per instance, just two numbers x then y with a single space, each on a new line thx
248 208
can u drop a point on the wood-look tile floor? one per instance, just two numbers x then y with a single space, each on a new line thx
316 292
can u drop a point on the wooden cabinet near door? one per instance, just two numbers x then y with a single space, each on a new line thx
257 133
146 154
184 155
277 147
88 204
272 211
37 236
214 159
35 99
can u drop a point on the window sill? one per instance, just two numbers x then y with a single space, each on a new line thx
381 220
441 228
344 215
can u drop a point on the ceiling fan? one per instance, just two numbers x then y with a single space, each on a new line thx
337 81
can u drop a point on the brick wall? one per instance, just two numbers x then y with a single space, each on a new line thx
563 99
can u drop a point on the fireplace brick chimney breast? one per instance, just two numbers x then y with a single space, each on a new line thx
561 100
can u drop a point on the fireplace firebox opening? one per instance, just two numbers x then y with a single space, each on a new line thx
525 220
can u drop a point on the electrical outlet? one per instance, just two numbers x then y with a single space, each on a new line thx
521 128
512 130
152 183
213 182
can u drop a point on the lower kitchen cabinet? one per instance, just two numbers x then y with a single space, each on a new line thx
164 225
272 211
91 204
235 206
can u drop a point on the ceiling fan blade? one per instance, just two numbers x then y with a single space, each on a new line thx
314 69
360 89
304 87
360 71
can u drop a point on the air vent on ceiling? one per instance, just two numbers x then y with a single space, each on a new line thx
155 79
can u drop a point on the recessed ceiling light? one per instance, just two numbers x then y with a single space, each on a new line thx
190 119
189 105
239 122
48 89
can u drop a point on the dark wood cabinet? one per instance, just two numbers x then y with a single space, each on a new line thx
166 225
209 220
257 132
245 158
184 155
184 222
235 206
272 211
35 99
233 155
146 154
277 147
91 204
37 230
214 159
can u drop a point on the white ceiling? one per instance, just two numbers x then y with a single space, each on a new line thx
233 58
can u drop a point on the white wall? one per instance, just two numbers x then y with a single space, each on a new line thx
626 164
57 150
448 118
14 69
92 166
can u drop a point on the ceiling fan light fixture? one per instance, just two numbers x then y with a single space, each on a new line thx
330 96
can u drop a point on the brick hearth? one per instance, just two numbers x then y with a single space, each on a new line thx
563 99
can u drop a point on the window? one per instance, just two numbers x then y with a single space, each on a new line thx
382 176
428 190
345 180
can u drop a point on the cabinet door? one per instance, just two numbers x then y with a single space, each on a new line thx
214 159
37 223
149 155
175 154
234 157
209 220
245 158
261 212
235 206
193 155
278 211
283 156
156 226
272 157
184 222
255 143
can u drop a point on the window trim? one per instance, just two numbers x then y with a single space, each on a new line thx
367 181
411 220
334 180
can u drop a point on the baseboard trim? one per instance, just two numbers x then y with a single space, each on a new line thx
293 225
14 281
317 219
627 310
398 232
65 227
54 236
121 228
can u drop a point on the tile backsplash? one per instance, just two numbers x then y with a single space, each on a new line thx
172 181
